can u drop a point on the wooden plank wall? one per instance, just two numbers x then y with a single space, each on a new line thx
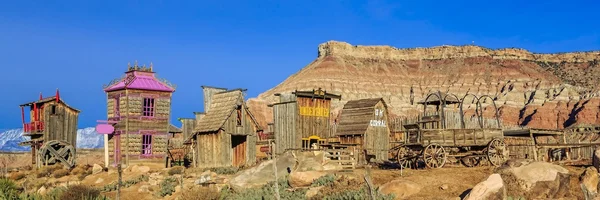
62 125
213 150
187 127
315 122
285 119
377 139
460 137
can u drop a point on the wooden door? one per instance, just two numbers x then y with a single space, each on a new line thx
238 147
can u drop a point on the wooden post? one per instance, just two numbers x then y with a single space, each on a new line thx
106 150
119 171
368 180
276 179
126 131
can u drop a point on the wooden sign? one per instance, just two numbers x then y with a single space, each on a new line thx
377 123
312 111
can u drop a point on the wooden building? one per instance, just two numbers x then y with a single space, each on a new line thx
302 119
364 124
139 104
225 134
51 122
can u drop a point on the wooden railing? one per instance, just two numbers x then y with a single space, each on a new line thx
36 126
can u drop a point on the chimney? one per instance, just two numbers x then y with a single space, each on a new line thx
208 92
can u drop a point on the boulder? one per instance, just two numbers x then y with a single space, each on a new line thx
313 192
304 179
140 169
596 159
444 187
535 180
491 188
589 182
401 189
99 180
144 188
42 190
96 169
263 173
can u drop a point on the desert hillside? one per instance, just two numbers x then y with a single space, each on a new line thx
535 90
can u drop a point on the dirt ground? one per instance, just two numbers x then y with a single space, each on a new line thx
456 180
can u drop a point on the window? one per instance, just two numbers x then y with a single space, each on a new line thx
148 107
53 109
117 107
239 115
146 144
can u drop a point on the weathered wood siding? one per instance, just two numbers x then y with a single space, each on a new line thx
313 118
460 137
187 126
285 121
60 125
217 149
132 125
377 138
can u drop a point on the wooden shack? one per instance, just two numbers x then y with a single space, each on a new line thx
51 119
225 136
302 119
139 104
364 124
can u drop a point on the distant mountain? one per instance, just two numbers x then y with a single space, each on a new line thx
87 138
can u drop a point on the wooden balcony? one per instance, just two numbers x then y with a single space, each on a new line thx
32 127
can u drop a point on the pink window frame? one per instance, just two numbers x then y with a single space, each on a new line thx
146 144
148 107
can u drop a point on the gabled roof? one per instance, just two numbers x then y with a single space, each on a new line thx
49 99
221 107
140 80
174 129
357 115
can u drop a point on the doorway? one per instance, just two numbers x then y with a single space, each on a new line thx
238 147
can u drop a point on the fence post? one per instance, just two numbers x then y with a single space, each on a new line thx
275 171
119 181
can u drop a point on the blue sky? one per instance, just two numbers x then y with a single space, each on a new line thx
78 46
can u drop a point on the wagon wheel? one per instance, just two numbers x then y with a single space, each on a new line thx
471 161
402 157
55 151
496 152
434 156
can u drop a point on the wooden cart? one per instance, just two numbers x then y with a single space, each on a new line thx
433 138
432 147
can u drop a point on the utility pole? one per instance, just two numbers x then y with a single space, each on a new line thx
275 171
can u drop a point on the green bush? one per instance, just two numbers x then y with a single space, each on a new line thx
167 186
176 170
200 193
324 180
8 189
224 170
266 192
125 184
362 193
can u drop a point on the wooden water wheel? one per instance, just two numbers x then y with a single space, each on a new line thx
55 151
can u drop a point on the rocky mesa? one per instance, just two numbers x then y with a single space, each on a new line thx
550 91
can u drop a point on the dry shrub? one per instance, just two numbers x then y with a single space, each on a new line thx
27 168
60 173
17 176
80 192
82 171
176 170
200 193
46 171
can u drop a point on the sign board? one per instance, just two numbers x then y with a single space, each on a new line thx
316 112
105 128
